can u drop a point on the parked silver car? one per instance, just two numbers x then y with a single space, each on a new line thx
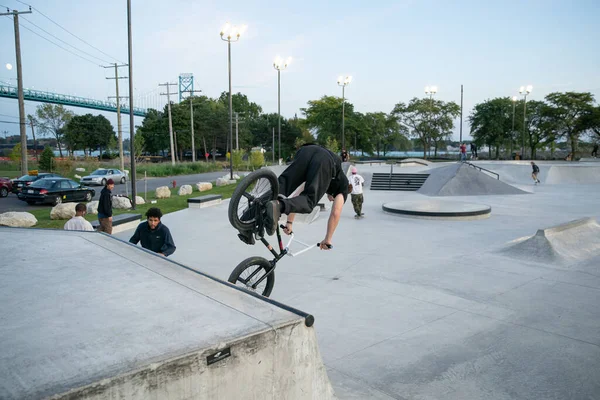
101 175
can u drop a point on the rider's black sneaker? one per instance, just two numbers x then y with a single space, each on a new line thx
246 237
272 219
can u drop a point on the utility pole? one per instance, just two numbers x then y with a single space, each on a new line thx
237 141
273 145
34 143
131 122
118 99
461 111
20 96
191 92
168 94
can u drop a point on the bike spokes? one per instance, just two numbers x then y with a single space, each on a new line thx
249 278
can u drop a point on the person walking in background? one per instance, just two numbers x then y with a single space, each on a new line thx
473 151
345 156
357 183
105 208
78 222
595 150
463 152
534 174
154 235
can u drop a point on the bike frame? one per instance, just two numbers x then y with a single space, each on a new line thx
283 251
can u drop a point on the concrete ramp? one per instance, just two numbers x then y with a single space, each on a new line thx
460 179
573 174
574 242
87 316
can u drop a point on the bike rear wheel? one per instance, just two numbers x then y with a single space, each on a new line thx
249 271
258 188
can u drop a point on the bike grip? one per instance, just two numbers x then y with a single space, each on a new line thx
329 246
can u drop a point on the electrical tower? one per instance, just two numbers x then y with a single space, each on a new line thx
186 84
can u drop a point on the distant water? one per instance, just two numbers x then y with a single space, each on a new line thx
406 153
80 153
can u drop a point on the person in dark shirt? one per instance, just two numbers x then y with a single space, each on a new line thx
345 156
536 171
321 172
105 208
154 235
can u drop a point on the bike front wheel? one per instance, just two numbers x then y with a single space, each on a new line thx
258 188
249 271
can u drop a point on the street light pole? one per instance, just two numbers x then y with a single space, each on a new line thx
524 91
430 91
230 33
279 65
343 82
512 132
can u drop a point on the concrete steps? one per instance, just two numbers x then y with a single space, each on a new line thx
400 182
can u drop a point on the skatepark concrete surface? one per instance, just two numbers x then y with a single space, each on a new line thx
404 308
138 326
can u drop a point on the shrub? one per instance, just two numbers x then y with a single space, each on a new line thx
47 159
63 166
332 145
15 154
257 159
238 159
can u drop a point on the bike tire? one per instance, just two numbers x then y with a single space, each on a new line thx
269 191
247 266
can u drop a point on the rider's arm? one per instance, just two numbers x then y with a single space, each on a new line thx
288 224
334 217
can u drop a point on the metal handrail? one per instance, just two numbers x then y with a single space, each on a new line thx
482 169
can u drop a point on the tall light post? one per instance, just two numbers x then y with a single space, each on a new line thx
280 65
343 82
231 33
524 90
512 132
430 91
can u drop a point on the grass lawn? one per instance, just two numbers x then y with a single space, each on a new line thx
172 204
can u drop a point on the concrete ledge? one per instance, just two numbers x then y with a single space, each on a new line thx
122 222
432 209
204 201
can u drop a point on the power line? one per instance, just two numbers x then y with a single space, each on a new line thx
59 39
70 33
58 45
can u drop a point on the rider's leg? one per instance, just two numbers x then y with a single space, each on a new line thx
360 203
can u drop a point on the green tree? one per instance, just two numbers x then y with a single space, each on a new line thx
155 132
569 112
89 132
46 159
15 154
52 118
431 121
491 123
324 116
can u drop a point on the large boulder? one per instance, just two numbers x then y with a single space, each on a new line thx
122 203
162 192
92 207
184 190
204 186
139 200
235 176
63 211
18 219
224 182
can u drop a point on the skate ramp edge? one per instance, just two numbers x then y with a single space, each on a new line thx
572 242
280 363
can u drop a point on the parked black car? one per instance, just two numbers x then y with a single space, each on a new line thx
26 180
55 191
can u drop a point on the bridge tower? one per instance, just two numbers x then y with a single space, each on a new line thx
186 84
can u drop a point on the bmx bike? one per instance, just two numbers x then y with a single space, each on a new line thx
247 214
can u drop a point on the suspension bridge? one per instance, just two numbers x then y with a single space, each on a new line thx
11 92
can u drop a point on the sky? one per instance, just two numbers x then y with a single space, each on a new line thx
392 49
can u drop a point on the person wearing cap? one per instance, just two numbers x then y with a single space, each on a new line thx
357 183
105 208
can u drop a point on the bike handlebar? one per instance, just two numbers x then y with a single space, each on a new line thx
329 246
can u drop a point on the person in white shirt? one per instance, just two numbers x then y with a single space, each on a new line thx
78 223
357 183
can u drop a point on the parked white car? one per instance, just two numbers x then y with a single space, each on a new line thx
102 175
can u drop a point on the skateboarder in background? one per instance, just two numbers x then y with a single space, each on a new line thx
534 174
595 150
473 151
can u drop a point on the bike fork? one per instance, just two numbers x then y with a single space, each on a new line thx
273 262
